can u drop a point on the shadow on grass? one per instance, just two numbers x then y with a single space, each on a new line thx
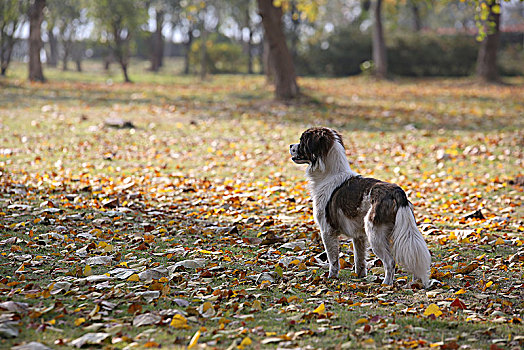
474 109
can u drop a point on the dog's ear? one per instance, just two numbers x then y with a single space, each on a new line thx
338 137
317 142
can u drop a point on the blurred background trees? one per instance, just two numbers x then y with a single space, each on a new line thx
279 38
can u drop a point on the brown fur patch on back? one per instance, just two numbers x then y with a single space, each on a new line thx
385 200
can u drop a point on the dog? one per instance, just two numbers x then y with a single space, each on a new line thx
366 210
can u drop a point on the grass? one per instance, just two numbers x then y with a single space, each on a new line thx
203 157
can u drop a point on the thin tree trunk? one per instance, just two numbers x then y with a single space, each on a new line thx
77 54
203 53
124 70
379 45
487 56
158 42
52 60
417 22
67 47
36 16
295 23
7 51
187 52
121 49
249 43
286 86
250 53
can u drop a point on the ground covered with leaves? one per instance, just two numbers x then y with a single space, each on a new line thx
167 213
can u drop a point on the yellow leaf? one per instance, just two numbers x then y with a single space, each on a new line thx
179 322
257 305
194 340
489 284
79 321
134 278
206 306
499 241
321 309
361 320
88 270
245 342
432 309
460 291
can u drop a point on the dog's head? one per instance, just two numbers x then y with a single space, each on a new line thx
315 144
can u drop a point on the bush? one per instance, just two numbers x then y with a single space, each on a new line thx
346 50
432 55
222 56
414 54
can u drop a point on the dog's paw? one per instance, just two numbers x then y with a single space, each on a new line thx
431 284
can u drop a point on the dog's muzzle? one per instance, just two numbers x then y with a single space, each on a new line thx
293 150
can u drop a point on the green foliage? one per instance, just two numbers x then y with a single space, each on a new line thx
419 54
223 56
340 55
431 55
117 20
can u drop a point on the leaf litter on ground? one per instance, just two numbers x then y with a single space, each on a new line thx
194 227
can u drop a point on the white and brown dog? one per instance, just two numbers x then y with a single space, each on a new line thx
364 209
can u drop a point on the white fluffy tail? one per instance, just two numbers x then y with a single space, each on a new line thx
409 247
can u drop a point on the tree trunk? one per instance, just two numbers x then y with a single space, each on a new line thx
77 54
187 52
267 62
203 53
157 51
121 48
6 53
487 56
286 86
295 24
250 53
123 65
379 45
36 16
417 22
52 59
108 59
249 43
67 47
78 64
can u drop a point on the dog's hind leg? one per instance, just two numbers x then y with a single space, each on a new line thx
379 239
360 247
330 240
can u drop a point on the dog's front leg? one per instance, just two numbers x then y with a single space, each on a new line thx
330 240
359 250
